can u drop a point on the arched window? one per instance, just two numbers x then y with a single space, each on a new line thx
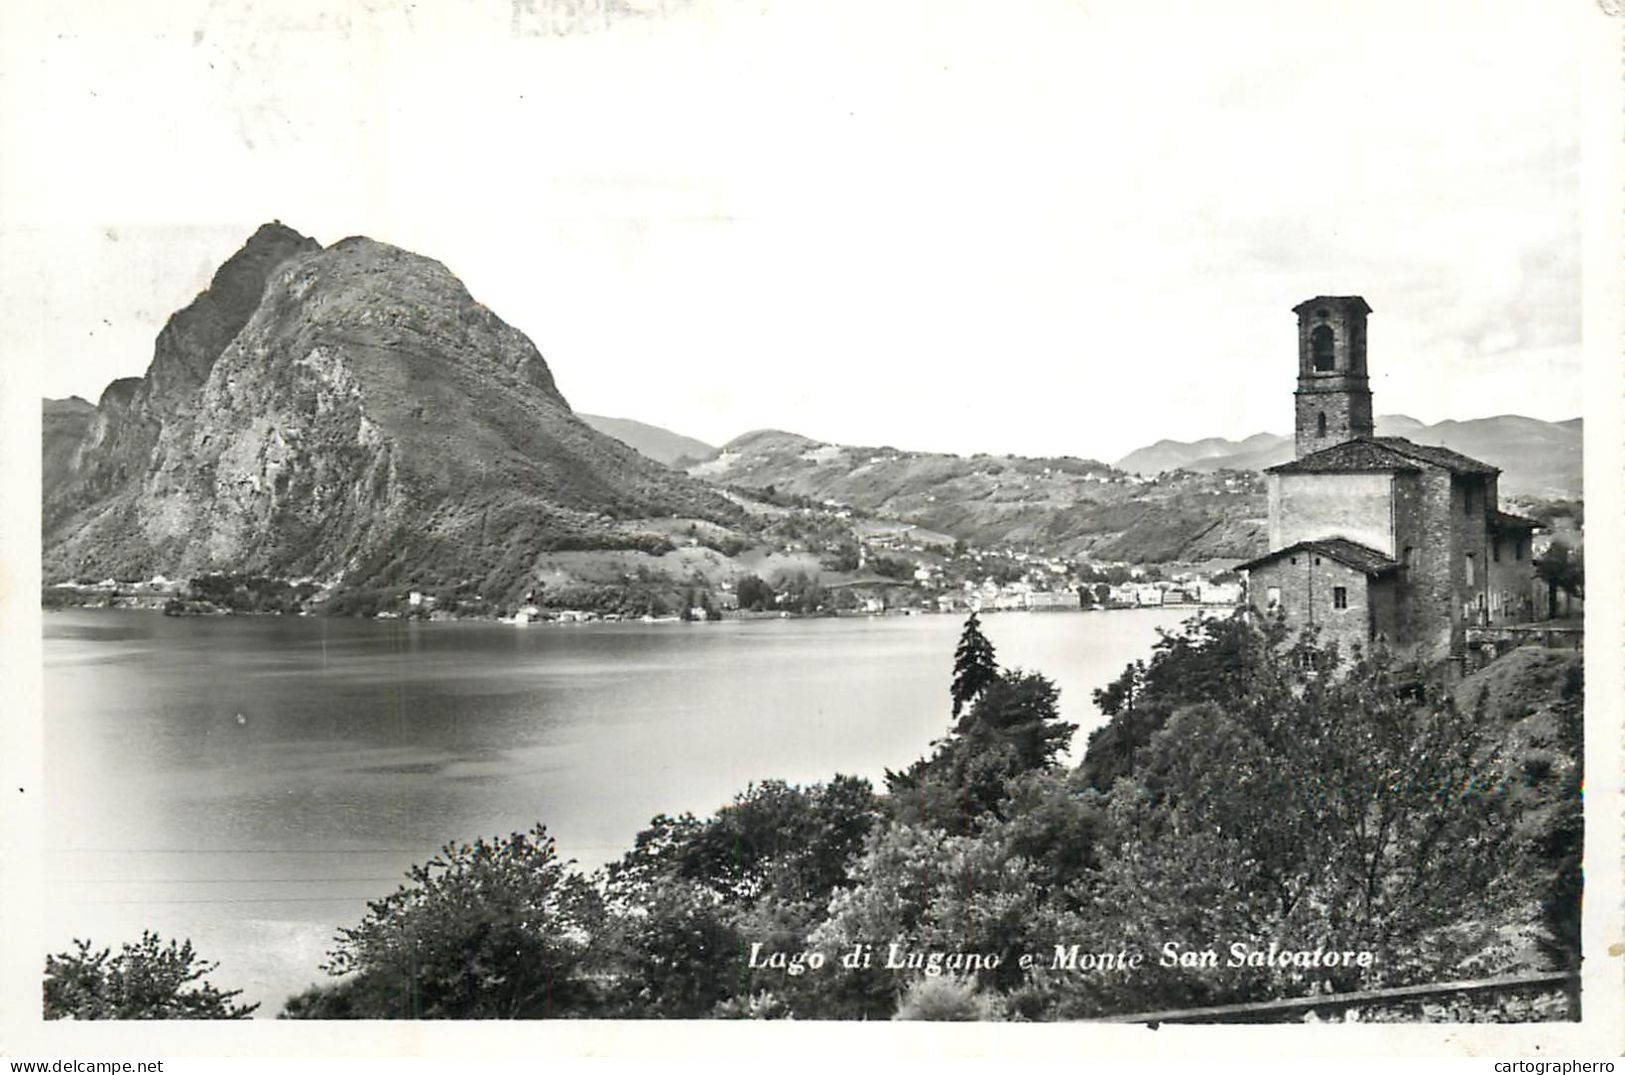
1320 424
1320 348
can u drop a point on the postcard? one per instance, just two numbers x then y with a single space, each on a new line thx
687 526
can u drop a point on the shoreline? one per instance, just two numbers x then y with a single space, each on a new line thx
642 621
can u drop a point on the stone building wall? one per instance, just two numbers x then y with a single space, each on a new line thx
1516 596
1410 537
1309 507
1389 619
1436 574
1514 592
1348 415
1308 584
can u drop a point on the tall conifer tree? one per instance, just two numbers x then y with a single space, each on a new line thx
974 666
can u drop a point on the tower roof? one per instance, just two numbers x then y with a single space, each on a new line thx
1336 300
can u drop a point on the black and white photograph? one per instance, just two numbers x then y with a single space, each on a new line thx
629 518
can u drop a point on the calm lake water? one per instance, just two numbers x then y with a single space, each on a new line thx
249 782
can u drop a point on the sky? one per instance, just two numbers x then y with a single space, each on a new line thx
1039 228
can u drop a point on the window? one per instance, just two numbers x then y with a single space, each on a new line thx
1320 424
1495 550
1273 597
1340 597
1517 549
1320 347
1410 555
1472 569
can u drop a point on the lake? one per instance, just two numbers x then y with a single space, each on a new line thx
250 782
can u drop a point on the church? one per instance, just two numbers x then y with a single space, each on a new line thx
1378 540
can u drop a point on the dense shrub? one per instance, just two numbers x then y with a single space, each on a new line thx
150 979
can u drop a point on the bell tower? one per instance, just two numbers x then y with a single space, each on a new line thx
1333 399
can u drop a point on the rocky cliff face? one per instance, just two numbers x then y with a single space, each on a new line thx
64 425
133 410
345 413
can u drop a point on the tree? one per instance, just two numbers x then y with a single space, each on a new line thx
1013 727
676 952
803 593
974 665
150 979
1356 811
1019 710
1563 569
1212 660
754 594
891 567
944 1000
497 929
684 905
843 556
927 891
776 839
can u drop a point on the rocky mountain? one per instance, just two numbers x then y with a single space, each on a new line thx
64 424
1067 505
1537 459
661 445
345 413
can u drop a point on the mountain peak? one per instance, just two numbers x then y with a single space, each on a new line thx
403 303
276 231
349 413
761 437
193 338
1536 458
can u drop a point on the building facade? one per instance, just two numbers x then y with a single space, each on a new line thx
1378 539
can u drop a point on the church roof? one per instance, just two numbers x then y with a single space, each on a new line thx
1505 520
1381 453
1332 300
1351 554
1442 457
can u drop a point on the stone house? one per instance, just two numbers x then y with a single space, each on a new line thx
1378 539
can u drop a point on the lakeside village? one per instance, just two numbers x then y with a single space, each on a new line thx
877 568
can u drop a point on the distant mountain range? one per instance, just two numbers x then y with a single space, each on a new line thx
1069 505
661 445
1537 459
350 413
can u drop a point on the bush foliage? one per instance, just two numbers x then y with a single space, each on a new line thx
150 979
